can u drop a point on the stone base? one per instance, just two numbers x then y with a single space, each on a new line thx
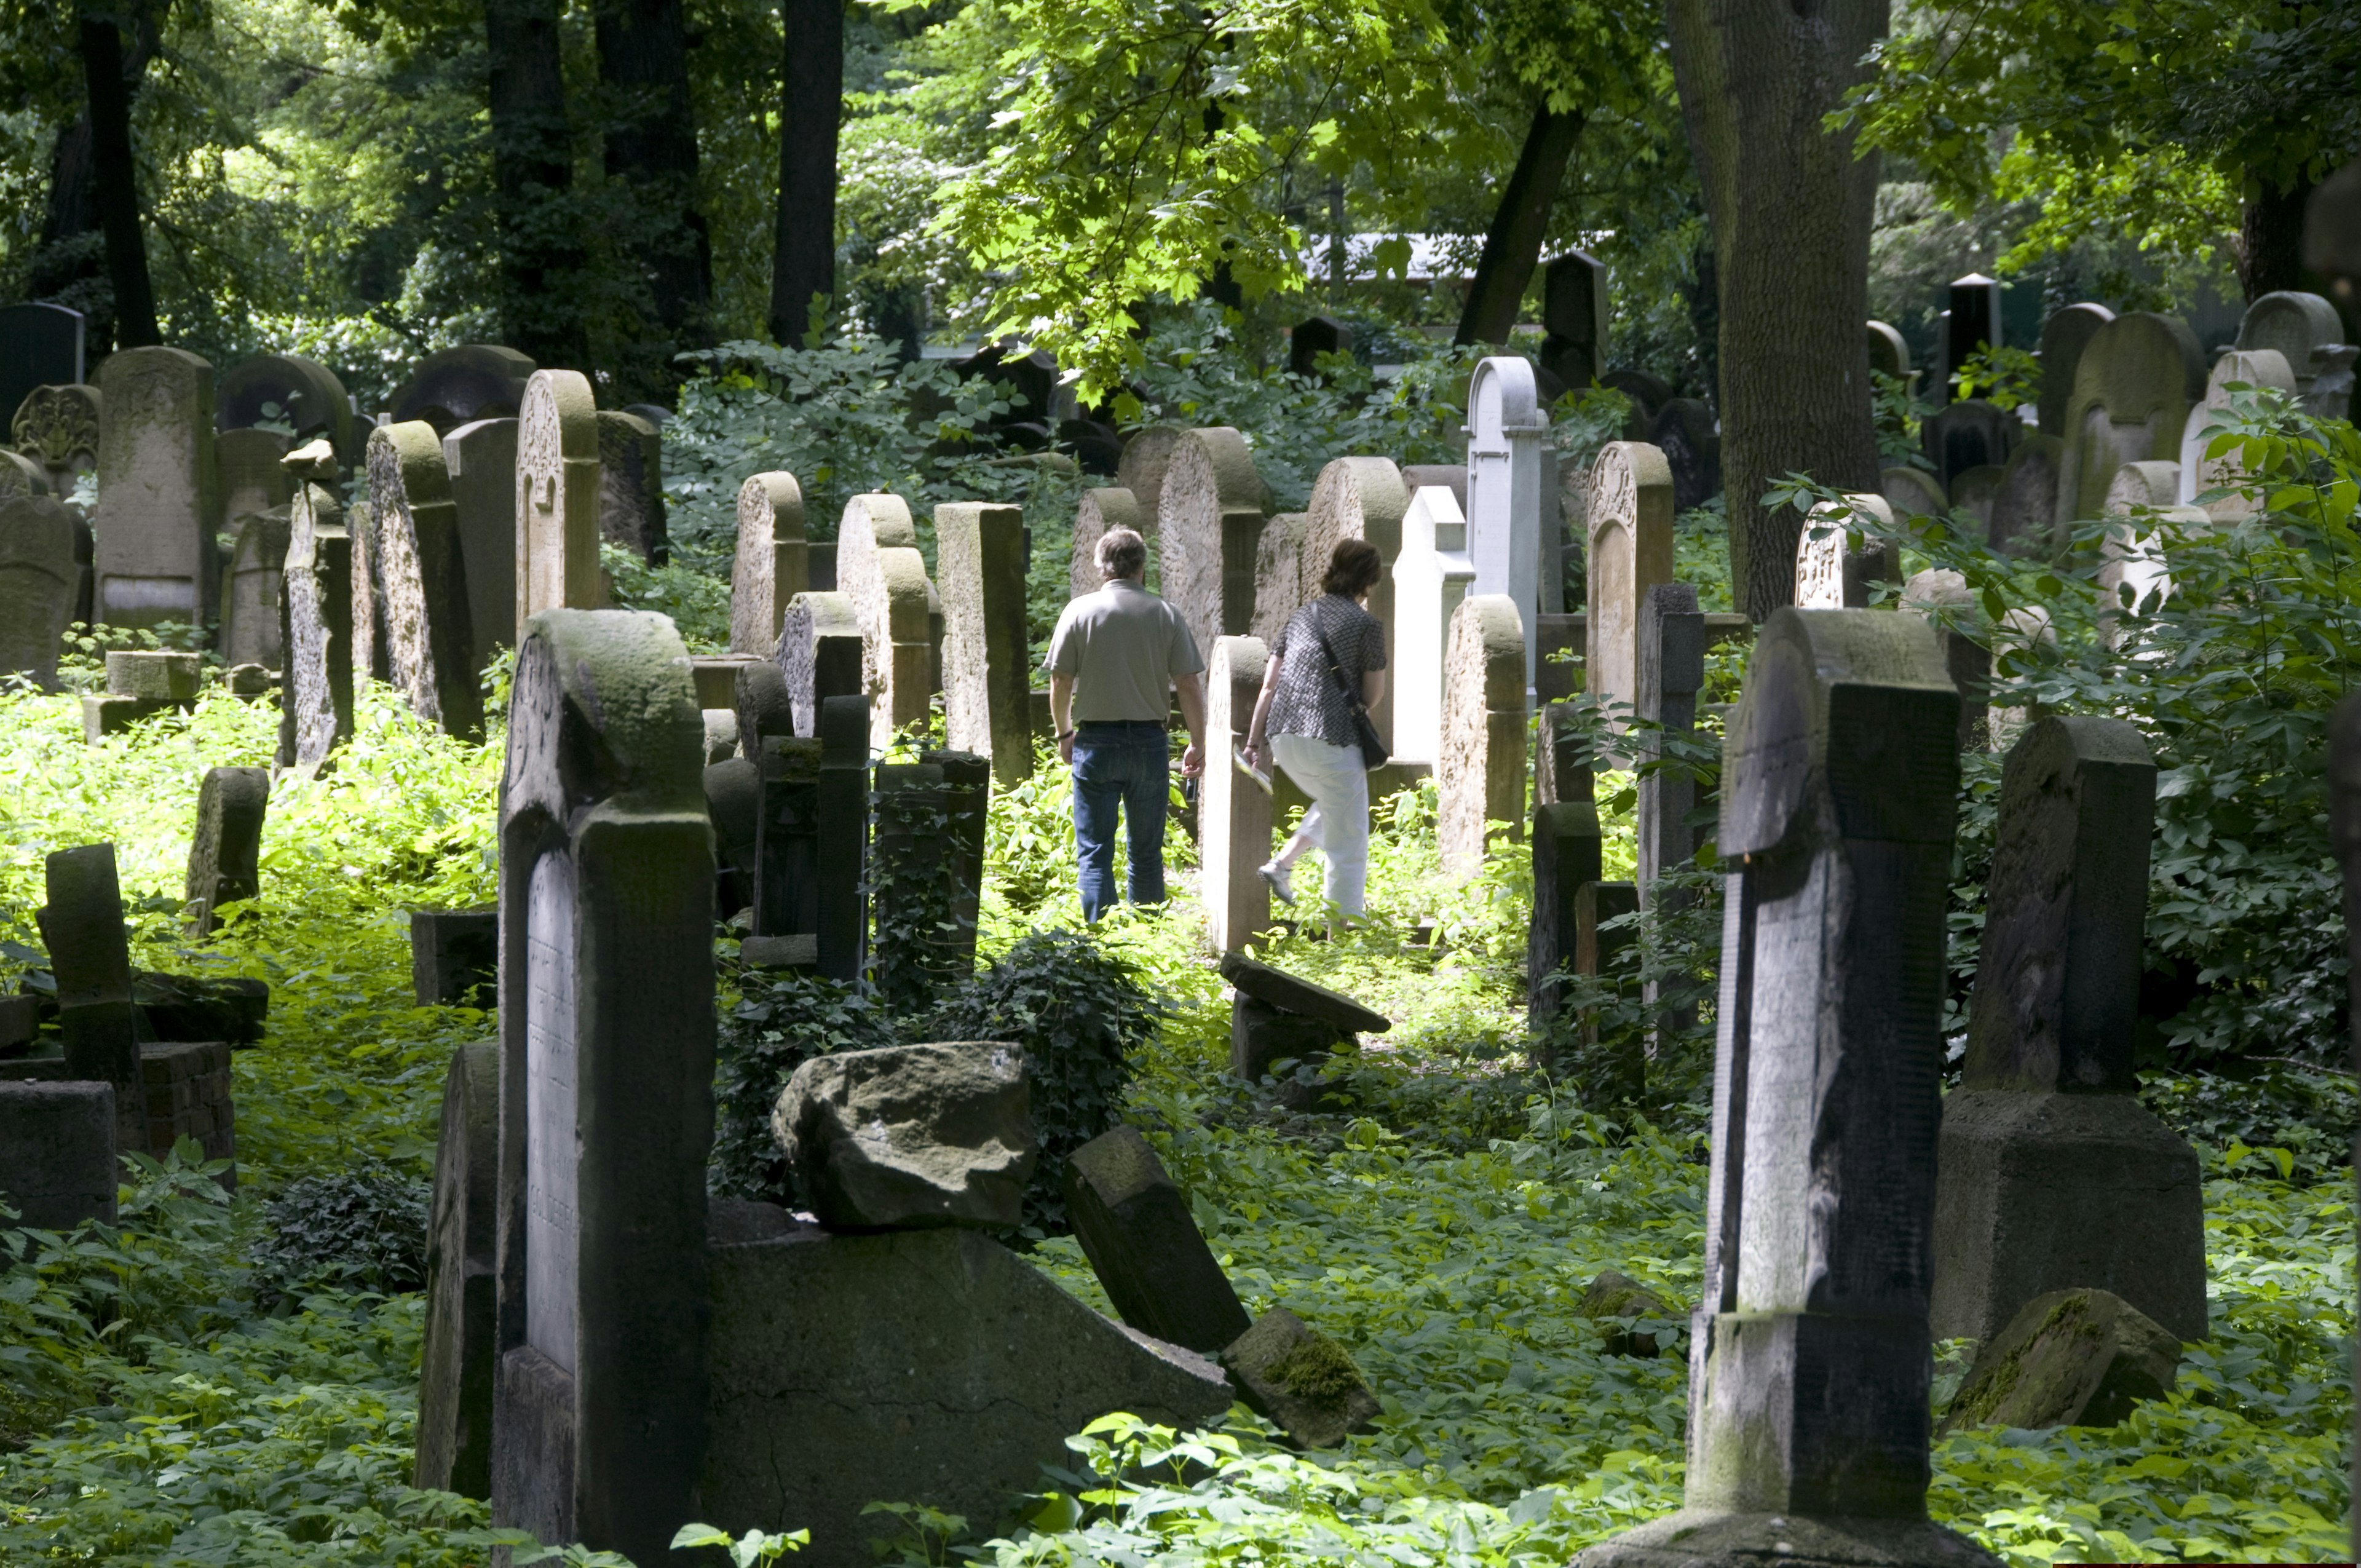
186 1090
111 714
57 1153
2039 1193
1262 1035
1696 1538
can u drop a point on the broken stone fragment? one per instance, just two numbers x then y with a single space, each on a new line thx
1303 1381
2071 1358
1135 1226
1624 1303
910 1135
1290 993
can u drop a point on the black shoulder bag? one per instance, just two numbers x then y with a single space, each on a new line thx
1373 750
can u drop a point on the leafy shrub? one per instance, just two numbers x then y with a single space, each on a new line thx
1083 1018
363 1229
783 1018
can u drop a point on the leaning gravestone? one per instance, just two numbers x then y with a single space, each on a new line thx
1506 426
317 603
631 485
2064 336
224 853
821 652
1234 808
1630 522
160 495
473 382
1133 1224
1480 775
2052 1174
1209 529
1432 576
1810 1373
423 576
38 578
1358 498
58 428
772 565
987 670
1099 510
457 1359
2071 1358
606 1086
556 495
881 573
1276 1016
82 926
2132 390
481 459
57 1153
2307 332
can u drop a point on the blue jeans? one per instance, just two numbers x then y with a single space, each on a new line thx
1126 767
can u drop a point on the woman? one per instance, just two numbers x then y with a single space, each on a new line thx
1329 659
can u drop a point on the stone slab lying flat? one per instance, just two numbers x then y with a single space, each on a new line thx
1303 1381
925 1135
1133 1224
1292 995
926 1367
2071 1358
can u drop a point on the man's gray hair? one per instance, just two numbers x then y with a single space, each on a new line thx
1122 554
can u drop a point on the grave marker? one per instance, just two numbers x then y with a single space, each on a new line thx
1234 809
1573 313
1311 337
2199 473
480 457
1683 431
1146 456
1889 352
1567 858
160 495
82 926
1098 511
1970 433
1943 598
57 427
787 835
250 611
1133 1224
57 1153
1970 325
457 1359
2307 332
40 346
1357 497
1209 527
881 573
1599 945
2064 336
317 604
1432 575
1504 427
1480 776
843 809
1831 571
772 565
1670 671
224 855
252 479
1283 574
2133 387
556 495
285 389
1630 544
2024 510
37 579
422 577
987 666
631 485
473 382
820 652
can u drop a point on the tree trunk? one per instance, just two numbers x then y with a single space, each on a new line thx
1512 245
541 253
116 189
651 146
811 108
1790 206
2271 242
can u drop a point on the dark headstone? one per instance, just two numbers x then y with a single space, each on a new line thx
1972 325
454 956
1567 858
843 811
1972 434
911 1136
1599 946
1262 1036
185 1093
473 382
785 888
1311 337
191 1007
39 582
1670 671
457 1360
764 707
1292 995
967 802
83 928
286 389
820 558
481 459
1684 430
225 853
1573 313
1133 1224
57 1153
2063 337
40 346
315 623
1561 758
1304 1382
2071 1358
630 485
733 800
20 1018
1557 678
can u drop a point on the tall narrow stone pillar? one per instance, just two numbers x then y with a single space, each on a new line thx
1234 811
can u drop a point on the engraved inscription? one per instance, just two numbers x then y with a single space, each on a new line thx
553 1228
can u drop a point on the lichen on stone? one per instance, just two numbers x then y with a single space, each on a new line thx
1317 1368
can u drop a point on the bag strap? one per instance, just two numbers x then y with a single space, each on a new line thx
1352 698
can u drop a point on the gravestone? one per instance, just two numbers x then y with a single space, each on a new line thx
2064 336
1974 491
987 665
160 495
480 457
1683 431
760 706
37 579
57 1153
2025 509
57 427
1574 316
1836 561
252 478
1099 510
184 1092
785 893
1266 1364
1275 1017
1234 808
2053 1176
317 604
556 494
884 577
2141 506
910 1137
458 1358
372 640
1809 1369
457 386
454 956
1889 352
1969 434
1558 669
2307 332
631 485
606 1086
1630 552
1958 618
224 853
2200 474
286 389
2071 1358
821 654
2133 387
1432 576
1133 1224
1567 858
1561 756
82 926
1599 946
1209 525
1647 392
966 808
1358 498
1452 477
1283 574
1505 426
843 809
1555 537
1911 493
772 566
1146 456
140 683
1970 325
1311 337
40 346
1480 775
423 575
1670 671
20 476
250 610
733 799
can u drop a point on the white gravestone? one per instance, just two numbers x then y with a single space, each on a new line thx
1832 554
2199 474
1505 430
1432 576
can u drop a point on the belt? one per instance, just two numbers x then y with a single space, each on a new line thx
1150 724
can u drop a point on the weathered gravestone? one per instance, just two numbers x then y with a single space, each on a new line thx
1432 576
82 926
20 476
1889 351
2053 1175
1146 457
1574 315
422 575
1209 528
40 346
606 1086
57 1153
454 956
927 868
1974 491
457 1359
2071 1358
1562 756
1630 521
1970 433
1809 1372
1944 599
139 682
57 427
1567 858
252 478
1284 577
2064 336
2024 510
37 579
316 601
475 380
879 569
1269 1362
1670 671
1505 428
1911 493
1234 808
820 652
761 705
732 795
250 611
2200 475
1135 1226
2306 331
160 495
772 565
987 668
556 495
1838 559
372 642
1480 775
286 389
1098 511
631 485
480 457
226 850
787 834
1356 498
2133 387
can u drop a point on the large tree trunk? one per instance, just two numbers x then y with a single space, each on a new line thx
2270 241
1512 245
1790 208
652 145
116 189
811 108
542 255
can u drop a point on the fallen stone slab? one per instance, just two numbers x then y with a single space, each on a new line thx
1624 1302
1304 1382
189 1007
801 951
910 1135
2071 1358
1133 1224
1291 994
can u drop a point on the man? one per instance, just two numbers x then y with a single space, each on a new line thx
1116 659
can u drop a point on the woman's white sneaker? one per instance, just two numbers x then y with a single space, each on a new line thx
1276 875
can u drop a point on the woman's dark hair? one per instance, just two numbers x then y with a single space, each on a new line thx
1354 567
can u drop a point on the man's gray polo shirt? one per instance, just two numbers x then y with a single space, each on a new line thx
1122 646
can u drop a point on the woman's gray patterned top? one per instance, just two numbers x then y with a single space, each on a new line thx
1308 699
